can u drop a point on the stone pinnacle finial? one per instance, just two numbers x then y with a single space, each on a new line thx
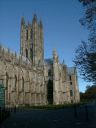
40 23
22 21
54 52
55 56
35 17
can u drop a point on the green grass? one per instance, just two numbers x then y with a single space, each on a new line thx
47 107
51 106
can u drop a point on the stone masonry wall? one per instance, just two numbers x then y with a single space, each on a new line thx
24 83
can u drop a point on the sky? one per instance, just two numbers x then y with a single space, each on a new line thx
62 29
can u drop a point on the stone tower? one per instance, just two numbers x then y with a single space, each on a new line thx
31 44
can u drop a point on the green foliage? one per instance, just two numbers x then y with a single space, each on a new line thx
90 94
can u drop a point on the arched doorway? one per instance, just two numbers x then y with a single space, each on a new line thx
50 92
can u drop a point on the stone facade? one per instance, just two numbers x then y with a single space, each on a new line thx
29 79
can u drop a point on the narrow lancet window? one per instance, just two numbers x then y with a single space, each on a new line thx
26 53
26 34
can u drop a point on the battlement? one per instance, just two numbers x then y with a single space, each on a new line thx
12 57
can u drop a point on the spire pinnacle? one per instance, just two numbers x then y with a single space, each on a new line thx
22 21
40 23
35 17
54 52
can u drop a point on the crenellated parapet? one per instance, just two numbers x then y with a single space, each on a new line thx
8 56
24 82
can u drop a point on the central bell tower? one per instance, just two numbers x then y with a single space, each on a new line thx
31 41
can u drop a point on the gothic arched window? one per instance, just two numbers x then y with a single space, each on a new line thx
26 34
70 78
31 53
22 83
15 82
26 53
31 34
71 93
7 78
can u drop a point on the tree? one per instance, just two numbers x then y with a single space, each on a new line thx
90 93
85 58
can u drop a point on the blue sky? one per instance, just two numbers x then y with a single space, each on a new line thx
62 29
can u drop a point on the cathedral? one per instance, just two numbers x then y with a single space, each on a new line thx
31 80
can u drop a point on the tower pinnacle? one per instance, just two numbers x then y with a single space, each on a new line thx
35 18
22 21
